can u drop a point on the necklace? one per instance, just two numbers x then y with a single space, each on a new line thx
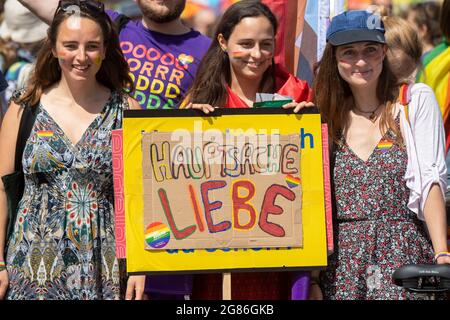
372 114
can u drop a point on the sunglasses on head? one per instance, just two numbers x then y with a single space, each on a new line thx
73 6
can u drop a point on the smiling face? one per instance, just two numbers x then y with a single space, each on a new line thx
250 48
360 64
79 49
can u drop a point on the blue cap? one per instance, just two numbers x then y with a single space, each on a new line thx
355 26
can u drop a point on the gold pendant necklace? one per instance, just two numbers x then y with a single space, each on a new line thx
372 114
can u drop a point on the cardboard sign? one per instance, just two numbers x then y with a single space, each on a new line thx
225 191
269 121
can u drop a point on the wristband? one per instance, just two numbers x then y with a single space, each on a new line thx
2 265
441 254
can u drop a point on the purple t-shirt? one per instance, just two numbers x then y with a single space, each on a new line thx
162 66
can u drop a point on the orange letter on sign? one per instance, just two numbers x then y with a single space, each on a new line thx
241 203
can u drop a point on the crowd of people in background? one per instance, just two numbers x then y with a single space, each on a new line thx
369 94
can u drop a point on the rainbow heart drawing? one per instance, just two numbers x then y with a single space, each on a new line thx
292 181
157 235
185 59
384 145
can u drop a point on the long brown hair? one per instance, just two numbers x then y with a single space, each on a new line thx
113 72
427 14
334 98
400 35
214 73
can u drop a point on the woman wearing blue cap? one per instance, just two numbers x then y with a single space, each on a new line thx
388 165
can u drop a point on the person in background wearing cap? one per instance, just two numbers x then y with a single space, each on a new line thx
387 163
26 32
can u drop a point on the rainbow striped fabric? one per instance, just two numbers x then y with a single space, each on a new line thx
44 134
436 74
292 181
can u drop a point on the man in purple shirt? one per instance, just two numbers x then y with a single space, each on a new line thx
163 55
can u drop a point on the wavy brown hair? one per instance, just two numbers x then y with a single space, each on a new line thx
400 35
334 98
214 74
113 72
427 14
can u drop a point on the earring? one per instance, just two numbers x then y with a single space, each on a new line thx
224 49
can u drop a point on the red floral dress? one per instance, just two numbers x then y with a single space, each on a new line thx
375 231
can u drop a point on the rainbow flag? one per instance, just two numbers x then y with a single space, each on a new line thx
436 74
301 35
45 134
384 145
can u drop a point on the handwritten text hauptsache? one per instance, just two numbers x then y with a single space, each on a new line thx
224 191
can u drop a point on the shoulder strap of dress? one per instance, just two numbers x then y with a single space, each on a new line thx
26 124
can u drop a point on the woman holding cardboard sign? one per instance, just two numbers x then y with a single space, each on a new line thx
63 244
240 63
237 67
389 168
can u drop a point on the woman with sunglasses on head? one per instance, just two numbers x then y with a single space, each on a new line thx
63 243
388 165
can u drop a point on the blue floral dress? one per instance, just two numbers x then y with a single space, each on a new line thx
63 244
375 231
